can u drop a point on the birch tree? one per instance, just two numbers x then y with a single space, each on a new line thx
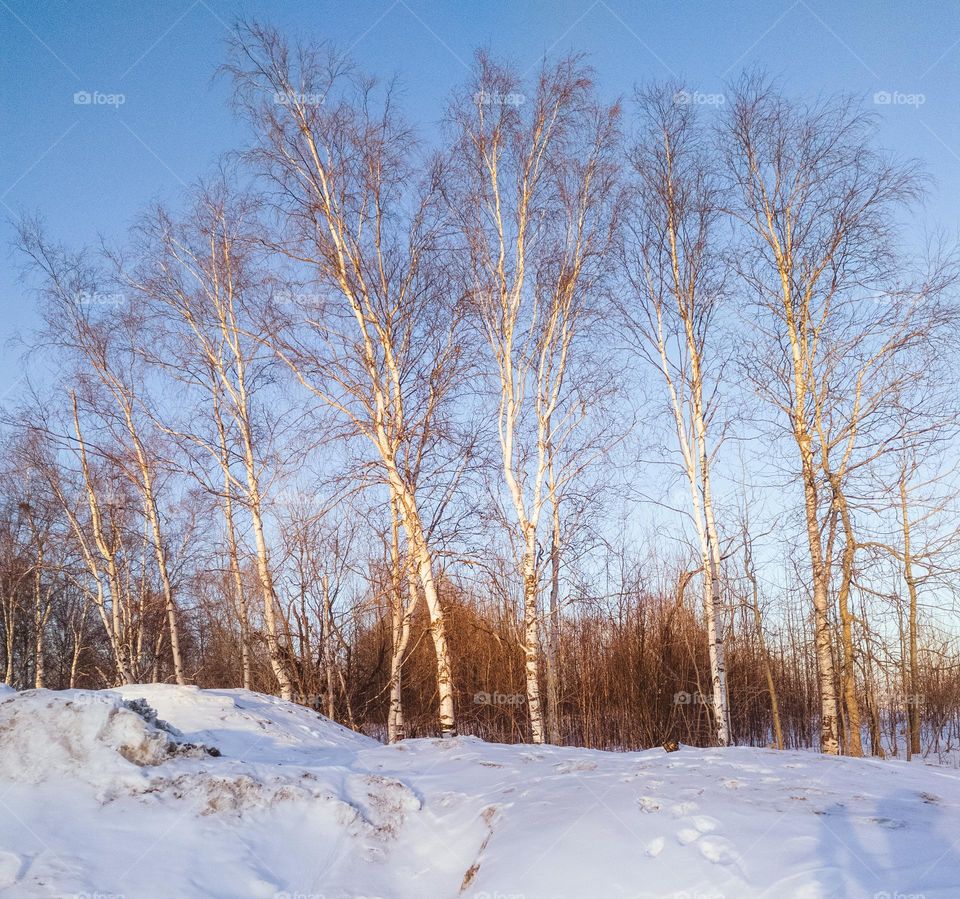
374 330
533 189
113 391
673 263
817 205
198 278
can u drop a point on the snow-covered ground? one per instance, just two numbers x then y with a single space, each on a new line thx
95 800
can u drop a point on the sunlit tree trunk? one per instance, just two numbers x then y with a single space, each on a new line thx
402 611
913 667
117 632
553 618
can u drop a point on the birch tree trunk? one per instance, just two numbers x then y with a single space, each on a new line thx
270 611
913 666
853 742
117 632
829 734
531 629
402 611
671 262
714 598
9 623
153 517
41 611
438 628
553 622
240 599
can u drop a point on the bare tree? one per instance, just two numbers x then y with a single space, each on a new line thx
673 263
533 190
817 206
113 389
375 331
200 282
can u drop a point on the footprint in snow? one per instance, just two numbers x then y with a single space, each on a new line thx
257 888
648 804
10 865
701 824
705 824
690 792
683 808
718 850
655 847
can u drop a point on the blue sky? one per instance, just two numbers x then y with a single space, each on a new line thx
89 168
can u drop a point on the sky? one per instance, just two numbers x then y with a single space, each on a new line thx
157 117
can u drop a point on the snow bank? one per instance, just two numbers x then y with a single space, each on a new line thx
94 737
97 797
242 724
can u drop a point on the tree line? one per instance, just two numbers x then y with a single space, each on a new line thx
592 422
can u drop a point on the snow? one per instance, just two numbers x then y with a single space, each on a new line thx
95 799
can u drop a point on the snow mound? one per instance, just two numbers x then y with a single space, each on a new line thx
48 735
112 793
247 725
